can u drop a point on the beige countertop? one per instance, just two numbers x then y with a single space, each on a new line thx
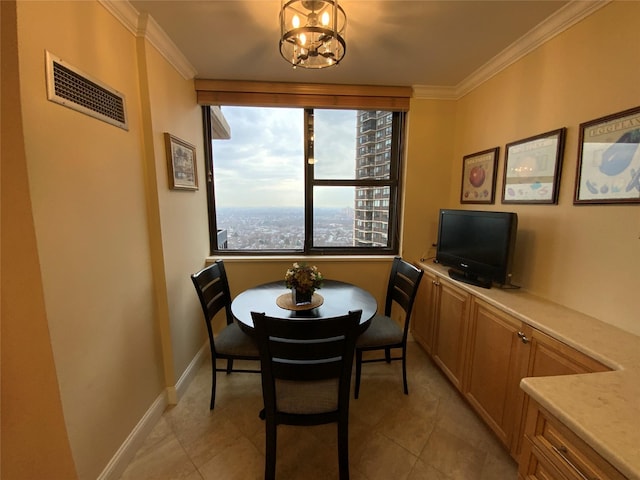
601 408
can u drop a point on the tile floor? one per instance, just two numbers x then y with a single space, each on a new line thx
431 434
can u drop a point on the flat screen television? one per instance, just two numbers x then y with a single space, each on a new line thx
477 245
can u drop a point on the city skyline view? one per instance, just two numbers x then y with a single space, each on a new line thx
263 228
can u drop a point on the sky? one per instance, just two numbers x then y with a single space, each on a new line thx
263 162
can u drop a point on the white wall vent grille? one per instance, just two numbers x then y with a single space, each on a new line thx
72 88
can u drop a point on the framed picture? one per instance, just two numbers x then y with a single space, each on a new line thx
181 163
479 176
609 159
532 168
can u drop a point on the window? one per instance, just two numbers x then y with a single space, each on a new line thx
294 180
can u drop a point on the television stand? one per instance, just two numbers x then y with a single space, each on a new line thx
469 278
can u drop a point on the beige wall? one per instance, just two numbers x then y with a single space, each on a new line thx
114 245
183 225
89 209
586 257
427 174
32 418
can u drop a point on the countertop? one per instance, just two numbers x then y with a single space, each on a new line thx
601 408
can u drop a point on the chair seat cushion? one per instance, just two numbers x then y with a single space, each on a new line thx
382 331
233 341
307 397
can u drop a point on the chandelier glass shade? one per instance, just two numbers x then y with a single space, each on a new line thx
312 33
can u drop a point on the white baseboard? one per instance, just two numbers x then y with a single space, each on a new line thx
134 441
136 438
176 392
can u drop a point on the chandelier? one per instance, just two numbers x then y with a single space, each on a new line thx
312 33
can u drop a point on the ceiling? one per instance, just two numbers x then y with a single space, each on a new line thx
389 42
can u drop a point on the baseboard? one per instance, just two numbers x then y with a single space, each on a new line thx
185 379
134 441
136 438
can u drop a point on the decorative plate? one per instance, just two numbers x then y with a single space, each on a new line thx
285 301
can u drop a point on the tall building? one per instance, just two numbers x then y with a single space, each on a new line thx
373 160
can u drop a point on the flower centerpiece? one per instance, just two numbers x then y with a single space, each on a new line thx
303 280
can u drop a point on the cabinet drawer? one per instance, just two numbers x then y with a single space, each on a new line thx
537 467
565 450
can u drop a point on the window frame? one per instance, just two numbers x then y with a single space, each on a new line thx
393 183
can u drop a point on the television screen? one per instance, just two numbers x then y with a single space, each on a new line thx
478 245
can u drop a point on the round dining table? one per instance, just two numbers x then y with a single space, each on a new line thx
335 298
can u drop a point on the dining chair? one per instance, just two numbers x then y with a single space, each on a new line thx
385 333
306 377
231 343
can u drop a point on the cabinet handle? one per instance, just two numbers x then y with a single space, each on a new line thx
435 282
523 337
562 451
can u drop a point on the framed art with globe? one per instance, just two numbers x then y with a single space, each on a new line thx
479 177
609 160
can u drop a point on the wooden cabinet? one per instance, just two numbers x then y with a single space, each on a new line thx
424 311
548 357
486 352
501 350
494 365
538 468
450 329
439 324
551 451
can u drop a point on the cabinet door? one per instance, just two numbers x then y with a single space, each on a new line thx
424 310
450 334
495 354
549 357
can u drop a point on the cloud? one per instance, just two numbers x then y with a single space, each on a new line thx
335 143
263 162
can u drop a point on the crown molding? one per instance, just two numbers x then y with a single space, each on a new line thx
159 39
124 12
432 92
566 17
142 25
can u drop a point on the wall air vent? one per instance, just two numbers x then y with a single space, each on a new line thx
72 88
